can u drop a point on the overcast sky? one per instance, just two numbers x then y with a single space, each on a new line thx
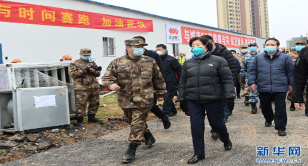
287 18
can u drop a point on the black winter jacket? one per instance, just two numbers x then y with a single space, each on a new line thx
223 52
300 76
154 56
206 79
170 67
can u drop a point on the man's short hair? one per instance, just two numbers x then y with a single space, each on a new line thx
139 37
208 37
162 45
277 41
233 51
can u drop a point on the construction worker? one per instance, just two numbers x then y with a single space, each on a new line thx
16 61
67 57
299 45
182 58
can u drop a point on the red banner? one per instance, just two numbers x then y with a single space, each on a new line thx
44 15
222 38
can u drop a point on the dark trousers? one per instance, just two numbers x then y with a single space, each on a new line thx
156 110
280 116
168 105
215 115
238 88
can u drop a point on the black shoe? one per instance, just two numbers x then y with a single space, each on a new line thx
306 111
91 118
246 100
172 114
130 153
149 139
292 107
225 120
282 133
166 122
268 124
214 135
195 159
238 96
254 109
80 122
228 144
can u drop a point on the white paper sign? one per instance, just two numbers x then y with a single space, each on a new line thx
174 33
45 101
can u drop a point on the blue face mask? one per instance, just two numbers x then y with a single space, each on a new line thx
138 51
198 51
244 51
86 58
270 49
181 55
299 48
252 49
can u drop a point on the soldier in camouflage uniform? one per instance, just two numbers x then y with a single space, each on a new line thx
299 45
253 97
86 86
135 77
239 56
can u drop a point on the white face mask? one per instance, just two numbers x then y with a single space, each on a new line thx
160 53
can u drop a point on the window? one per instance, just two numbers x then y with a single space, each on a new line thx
108 47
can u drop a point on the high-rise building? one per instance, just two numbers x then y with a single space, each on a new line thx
246 16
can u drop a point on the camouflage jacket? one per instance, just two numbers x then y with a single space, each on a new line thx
245 65
293 55
239 56
138 78
82 79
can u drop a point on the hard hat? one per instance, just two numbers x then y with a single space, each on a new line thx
182 53
16 61
67 56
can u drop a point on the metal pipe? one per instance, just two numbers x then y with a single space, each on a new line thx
54 75
36 80
46 77
63 79
27 78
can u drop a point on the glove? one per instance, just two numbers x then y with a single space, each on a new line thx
230 104
243 80
184 107
87 69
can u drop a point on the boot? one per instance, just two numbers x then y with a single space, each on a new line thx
292 107
149 139
130 153
246 100
254 108
306 111
238 96
166 122
80 122
91 118
214 134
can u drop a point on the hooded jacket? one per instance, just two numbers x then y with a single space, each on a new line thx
207 79
223 52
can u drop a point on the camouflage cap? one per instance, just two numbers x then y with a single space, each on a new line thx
85 51
301 42
243 46
135 42
252 44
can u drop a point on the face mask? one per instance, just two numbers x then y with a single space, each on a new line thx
67 60
160 53
198 51
299 48
138 51
270 49
244 51
182 55
252 49
86 58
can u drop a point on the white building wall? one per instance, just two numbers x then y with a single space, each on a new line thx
40 43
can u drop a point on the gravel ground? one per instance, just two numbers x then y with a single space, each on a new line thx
174 146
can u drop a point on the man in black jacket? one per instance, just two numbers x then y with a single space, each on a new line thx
300 76
170 67
155 109
222 51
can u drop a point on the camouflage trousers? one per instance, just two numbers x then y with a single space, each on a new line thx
82 99
137 118
253 96
290 98
243 86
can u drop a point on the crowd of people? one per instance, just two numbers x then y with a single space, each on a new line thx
207 84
